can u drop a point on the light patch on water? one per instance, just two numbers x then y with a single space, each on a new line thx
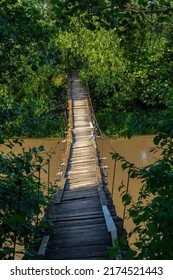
144 157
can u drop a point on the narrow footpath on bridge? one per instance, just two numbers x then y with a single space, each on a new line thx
83 214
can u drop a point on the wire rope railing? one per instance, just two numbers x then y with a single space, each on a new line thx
61 175
115 156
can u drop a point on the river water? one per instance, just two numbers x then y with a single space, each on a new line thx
136 150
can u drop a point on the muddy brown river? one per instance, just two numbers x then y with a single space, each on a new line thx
135 150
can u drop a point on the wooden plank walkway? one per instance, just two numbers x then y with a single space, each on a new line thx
84 226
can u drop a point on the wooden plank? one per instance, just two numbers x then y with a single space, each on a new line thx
78 240
77 182
111 227
95 222
43 246
78 195
78 216
86 230
84 217
78 252
109 221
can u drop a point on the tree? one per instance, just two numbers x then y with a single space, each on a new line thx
29 68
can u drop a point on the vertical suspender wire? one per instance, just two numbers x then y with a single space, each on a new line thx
48 185
48 177
127 190
114 172
59 150
65 122
64 125
38 197
18 182
102 145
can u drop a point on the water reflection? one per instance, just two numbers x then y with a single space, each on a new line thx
144 157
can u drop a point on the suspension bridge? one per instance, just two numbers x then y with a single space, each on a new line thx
82 211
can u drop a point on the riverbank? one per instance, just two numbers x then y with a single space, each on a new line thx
128 123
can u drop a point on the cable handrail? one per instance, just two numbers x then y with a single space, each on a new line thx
114 153
103 135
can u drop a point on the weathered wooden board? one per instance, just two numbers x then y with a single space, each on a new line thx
80 222
78 252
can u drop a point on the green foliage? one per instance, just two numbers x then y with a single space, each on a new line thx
152 214
124 54
22 201
29 118
115 250
31 103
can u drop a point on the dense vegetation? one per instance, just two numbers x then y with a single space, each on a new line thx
127 64
124 52
32 88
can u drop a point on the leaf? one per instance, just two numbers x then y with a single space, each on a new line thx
130 255
29 157
30 253
123 192
141 2
37 240
44 170
18 141
151 230
126 198
8 146
138 245
120 15
124 165
15 221
121 187
41 148
1 140
156 140
133 174
114 251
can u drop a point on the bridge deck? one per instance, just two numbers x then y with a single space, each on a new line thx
80 220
